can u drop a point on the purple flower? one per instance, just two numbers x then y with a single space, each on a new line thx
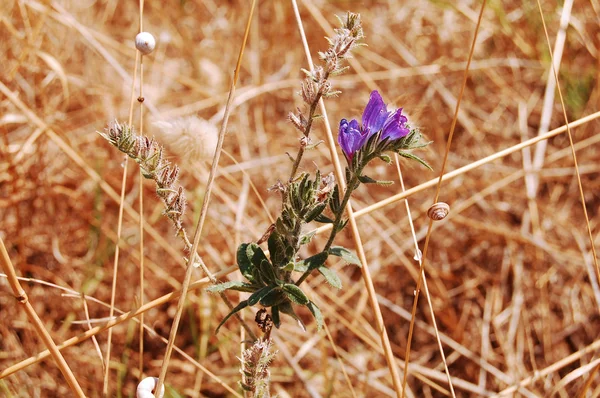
375 118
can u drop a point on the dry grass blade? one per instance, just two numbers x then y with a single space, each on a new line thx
115 321
43 334
437 193
577 173
203 212
339 174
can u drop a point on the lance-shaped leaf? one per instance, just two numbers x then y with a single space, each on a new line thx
231 285
345 254
315 212
244 262
414 157
256 254
324 219
237 308
313 262
267 272
272 298
295 294
259 294
331 277
286 308
334 202
369 180
316 313
275 316
277 249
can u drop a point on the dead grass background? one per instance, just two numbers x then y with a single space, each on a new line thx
510 299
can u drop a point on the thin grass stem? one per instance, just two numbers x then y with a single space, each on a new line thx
203 212
389 355
21 296
436 197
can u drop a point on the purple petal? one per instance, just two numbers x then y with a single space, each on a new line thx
394 127
350 138
375 114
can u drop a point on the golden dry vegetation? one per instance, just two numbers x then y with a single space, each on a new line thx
510 272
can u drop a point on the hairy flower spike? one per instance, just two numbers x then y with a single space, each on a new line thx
149 155
298 120
255 367
308 91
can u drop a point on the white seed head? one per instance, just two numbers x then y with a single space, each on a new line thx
146 388
191 138
145 42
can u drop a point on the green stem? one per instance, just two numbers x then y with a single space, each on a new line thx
352 185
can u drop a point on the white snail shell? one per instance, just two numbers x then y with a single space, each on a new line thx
145 42
438 211
146 387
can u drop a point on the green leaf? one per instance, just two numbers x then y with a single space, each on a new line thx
277 249
289 266
316 313
315 212
272 298
267 271
331 277
307 237
244 263
256 254
260 265
342 225
369 180
414 157
231 285
259 294
275 316
366 180
314 261
345 254
324 219
295 294
300 267
280 226
286 308
334 202
385 158
238 308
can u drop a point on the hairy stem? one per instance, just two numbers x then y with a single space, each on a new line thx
352 185
311 115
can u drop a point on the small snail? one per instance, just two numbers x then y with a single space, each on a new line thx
146 388
438 211
145 42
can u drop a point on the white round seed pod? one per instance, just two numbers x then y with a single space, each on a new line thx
145 42
146 388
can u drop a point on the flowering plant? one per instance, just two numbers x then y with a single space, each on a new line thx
271 279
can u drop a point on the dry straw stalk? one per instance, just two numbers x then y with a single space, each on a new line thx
41 331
